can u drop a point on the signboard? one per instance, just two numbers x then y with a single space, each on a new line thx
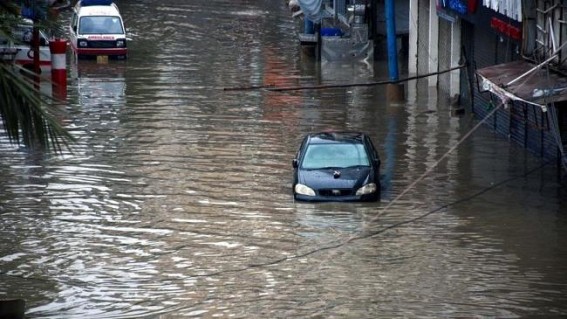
506 28
463 7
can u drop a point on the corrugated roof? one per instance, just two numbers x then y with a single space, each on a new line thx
514 81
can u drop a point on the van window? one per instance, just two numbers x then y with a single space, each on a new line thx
23 35
4 40
74 22
100 25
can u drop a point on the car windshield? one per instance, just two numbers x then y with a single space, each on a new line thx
100 25
334 155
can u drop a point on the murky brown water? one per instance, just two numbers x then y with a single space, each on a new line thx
176 201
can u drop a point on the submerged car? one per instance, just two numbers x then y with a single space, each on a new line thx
336 166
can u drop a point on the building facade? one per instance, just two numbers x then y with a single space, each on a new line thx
515 53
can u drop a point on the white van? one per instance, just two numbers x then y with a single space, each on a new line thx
97 29
17 49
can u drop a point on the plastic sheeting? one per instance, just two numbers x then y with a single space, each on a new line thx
312 9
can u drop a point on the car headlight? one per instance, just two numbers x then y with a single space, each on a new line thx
304 190
366 189
83 43
120 43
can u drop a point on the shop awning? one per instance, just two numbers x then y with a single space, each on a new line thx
524 81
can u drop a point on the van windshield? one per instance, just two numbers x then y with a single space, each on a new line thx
100 25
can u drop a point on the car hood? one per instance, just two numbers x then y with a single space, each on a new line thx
325 178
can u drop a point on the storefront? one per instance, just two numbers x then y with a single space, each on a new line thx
531 99
508 80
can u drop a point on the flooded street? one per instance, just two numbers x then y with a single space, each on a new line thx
176 201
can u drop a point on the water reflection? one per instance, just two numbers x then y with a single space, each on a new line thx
99 83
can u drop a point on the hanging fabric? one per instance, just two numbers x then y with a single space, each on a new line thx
312 9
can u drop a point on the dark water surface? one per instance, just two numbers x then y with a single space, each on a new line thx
176 201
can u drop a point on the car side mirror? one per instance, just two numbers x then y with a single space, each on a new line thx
378 162
75 28
294 163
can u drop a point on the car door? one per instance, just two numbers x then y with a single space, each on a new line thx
297 161
375 158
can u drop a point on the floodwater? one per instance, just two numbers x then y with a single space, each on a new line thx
176 201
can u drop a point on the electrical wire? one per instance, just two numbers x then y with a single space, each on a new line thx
362 234
334 86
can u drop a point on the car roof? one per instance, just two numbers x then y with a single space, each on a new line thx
336 137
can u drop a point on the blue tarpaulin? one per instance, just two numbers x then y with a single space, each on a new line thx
36 10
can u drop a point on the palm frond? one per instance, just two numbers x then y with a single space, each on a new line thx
27 115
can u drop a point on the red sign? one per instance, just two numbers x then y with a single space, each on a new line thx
100 37
472 6
506 28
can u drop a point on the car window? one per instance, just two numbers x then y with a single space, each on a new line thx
338 155
374 152
100 25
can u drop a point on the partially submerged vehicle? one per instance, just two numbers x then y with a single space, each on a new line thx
17 48
336 166
97 29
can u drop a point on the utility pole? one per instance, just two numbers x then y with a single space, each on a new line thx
35 50
394 90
